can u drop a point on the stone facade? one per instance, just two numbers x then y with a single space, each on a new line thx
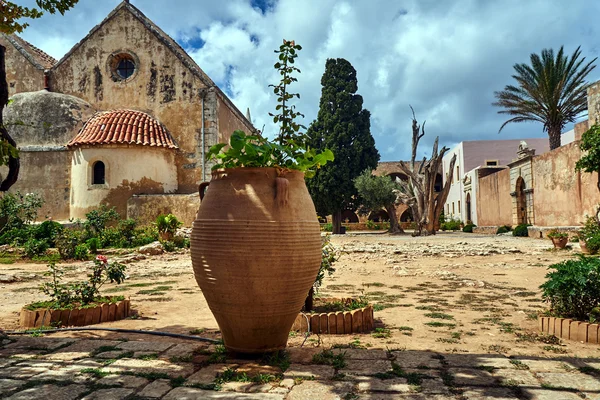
165 83
521 184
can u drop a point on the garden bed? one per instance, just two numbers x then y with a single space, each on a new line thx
96 314
333 316
569 329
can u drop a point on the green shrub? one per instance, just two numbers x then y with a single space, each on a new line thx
144 236
450 225
501 229
48 230
66 241
93 244
17 236
127 228
593 244
167 224
111 237
370 224
97 220
17 210
469 228
328 227
34 247
82 252
169 246
521 230
573 289
556 234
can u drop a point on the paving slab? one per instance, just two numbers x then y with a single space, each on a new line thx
80 349
415 359
472 377
371 384
516 377
577 381
126 381
183 349
302 355
477 360
109 394
9 385
363 354
38 343
237 386
150 366
496 393
108 355
156 389
154 347
366 367
548 365
25 370
207 374
309 371
186 393
50 392
547 394
320 390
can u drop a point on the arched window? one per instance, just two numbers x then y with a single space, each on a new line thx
98 173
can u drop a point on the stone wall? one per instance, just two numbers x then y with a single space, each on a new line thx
593 98
562 196
145 208
52 181
494 200
21 75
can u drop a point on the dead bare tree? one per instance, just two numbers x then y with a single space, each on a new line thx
418 191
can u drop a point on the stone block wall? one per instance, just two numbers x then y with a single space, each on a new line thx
145 208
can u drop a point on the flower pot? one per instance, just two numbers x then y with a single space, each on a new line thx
74 317
560 243
583 246
256 251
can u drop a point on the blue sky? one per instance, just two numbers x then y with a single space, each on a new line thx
446 58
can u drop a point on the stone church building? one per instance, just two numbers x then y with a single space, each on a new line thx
125 119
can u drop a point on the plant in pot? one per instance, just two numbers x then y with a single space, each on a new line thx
167 226
589 236
559 239
79 302
255 243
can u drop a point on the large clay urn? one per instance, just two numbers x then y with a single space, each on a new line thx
256 251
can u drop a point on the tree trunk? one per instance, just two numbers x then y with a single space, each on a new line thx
394 225
308 303
337 222
554 135
13 162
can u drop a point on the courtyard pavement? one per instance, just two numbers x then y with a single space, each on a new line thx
50 367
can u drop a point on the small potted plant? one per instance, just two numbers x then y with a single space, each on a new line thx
78 303
589 236
559 239
167 226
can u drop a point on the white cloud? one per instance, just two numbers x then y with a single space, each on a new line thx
445 58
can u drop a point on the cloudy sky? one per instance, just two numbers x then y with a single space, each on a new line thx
445 58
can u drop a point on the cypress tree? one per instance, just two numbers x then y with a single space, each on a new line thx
344 127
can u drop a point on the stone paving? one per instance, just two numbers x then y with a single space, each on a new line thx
71 368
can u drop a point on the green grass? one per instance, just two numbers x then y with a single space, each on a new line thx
438 324
439 315
519 365
555 349
148 357
381 333
406 328
412 378
219 356
97 372
326 357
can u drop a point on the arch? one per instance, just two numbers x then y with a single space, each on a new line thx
398 175
439 183
98 173
468 204
349 216
379 216
521 201
407 216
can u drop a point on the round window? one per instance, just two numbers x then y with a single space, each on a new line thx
123 65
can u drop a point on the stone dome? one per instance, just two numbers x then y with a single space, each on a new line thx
45 118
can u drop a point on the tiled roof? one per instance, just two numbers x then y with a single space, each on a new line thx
123 127
41 57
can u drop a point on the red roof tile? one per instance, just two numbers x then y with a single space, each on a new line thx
123 127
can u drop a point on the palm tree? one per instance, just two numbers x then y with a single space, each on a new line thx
552 91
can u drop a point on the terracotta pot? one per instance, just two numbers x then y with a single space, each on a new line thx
560 243
256 251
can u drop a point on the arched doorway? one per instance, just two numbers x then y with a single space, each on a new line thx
379 216
469 207
406 216
521 201
349 216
